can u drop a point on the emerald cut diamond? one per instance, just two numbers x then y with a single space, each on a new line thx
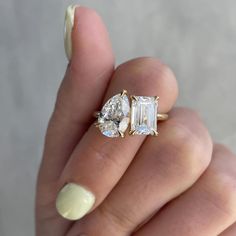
144 115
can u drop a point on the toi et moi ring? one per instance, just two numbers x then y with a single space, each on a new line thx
117 114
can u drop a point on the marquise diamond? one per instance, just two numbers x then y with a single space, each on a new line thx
114 119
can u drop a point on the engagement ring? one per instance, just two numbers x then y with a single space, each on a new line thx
118 113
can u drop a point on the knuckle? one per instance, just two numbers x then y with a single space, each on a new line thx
221 179
147 69
157 71
103 68
106 155
222 185
116 217
193 148
164 70
155 77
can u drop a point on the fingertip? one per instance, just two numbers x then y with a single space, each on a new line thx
92 49
69 24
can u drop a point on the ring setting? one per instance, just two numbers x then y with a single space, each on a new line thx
118 113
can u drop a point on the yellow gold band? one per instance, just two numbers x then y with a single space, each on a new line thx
160 117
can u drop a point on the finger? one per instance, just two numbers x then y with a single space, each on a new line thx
162 170
98 162
231 231
208 208
79 95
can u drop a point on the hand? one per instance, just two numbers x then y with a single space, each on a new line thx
179 183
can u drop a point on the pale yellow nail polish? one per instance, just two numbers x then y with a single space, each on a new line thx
69 24
74 201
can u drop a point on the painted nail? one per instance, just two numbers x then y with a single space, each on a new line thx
69 24
74 201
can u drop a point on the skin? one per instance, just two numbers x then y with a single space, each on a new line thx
180 183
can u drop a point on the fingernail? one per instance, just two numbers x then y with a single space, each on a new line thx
74 201
69 24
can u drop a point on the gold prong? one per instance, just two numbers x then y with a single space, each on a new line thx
96 114
155 133
97 124
134 98
122 135
157 98
123 93
132 132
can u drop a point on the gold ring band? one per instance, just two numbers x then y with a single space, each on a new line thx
160 116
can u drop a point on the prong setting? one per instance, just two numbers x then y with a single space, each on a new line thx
132 132
155 133
133 98
124 93
117 115
97 124
122 135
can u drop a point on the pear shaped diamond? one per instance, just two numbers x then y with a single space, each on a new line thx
114 118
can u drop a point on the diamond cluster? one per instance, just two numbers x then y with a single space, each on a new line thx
116 115
114 118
